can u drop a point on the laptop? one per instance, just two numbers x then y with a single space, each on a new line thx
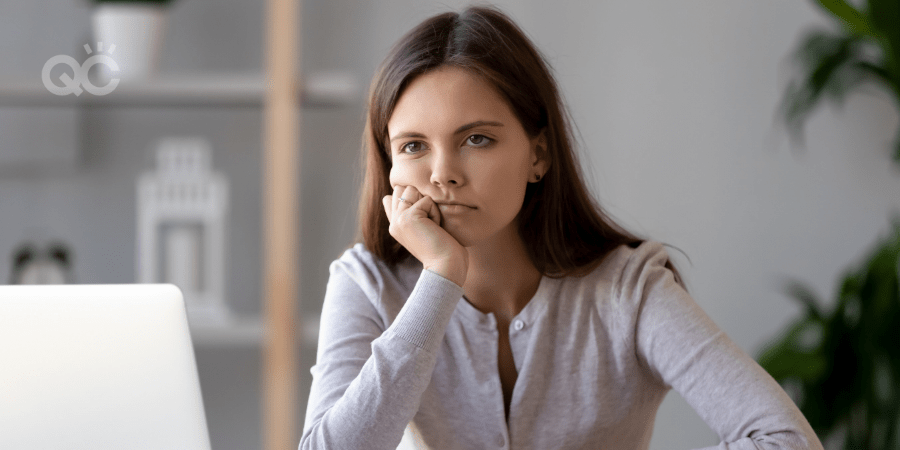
96 367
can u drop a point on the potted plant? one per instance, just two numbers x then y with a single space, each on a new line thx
843 366
135 28
833 63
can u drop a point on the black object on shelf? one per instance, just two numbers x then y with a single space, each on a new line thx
35 265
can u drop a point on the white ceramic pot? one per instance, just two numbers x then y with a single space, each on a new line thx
137 32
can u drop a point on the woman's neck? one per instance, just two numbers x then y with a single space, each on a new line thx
501 277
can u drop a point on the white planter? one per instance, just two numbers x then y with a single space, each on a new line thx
137 32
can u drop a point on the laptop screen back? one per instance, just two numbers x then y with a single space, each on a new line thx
98 367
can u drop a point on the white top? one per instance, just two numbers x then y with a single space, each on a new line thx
595 357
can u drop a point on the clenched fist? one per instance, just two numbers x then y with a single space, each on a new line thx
416 224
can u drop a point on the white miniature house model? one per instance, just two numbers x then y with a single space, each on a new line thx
182 208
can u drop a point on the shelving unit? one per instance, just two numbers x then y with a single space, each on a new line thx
247 331
280 92
281 168
189 90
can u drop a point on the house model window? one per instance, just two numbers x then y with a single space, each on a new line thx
181 211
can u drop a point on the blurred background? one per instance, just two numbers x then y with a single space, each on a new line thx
675 103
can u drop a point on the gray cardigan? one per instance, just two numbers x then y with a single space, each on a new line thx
404 351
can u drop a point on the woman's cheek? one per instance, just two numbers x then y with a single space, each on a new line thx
400 174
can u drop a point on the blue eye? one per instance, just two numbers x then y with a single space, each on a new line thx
478 140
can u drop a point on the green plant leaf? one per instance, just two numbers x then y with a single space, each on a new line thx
802 293
821 57
884 16
880 285
856 393
896 157
853 19
791 357
791 364
877 72
833 63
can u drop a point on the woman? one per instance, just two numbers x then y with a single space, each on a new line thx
492 303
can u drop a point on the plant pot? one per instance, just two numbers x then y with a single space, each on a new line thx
137 31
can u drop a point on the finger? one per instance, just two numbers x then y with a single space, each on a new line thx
406 199
427 205
421 206
434 213
386 202
398 193
411 194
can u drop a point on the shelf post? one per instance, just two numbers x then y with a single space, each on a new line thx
281 225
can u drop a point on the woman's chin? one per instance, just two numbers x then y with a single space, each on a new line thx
469 234
463 236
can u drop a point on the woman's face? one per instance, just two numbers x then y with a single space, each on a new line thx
455 139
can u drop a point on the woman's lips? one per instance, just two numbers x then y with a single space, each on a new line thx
448 208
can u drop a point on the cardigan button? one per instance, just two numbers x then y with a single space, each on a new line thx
518 325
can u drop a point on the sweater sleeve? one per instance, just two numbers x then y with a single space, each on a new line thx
367 380
681 346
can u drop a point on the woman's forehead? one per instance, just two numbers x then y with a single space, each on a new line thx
444 99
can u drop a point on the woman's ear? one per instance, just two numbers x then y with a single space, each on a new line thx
540 156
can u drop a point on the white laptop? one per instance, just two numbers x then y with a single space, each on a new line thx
96 367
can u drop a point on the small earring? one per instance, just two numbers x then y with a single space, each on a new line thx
537 177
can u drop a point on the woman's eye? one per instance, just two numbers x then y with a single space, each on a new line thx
411 147
478 140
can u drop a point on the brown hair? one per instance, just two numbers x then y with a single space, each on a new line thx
565 231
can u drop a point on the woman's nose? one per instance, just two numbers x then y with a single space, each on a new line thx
446 169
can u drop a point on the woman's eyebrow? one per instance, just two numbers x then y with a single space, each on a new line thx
468 126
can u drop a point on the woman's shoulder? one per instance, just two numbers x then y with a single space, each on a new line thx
628 268
626 258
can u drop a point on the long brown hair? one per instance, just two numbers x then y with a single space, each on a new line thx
565 231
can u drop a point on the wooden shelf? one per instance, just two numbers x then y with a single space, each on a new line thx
247 331
279 91
325 89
